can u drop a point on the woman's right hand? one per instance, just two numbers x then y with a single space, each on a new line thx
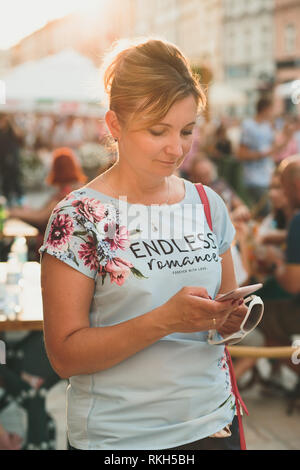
192 310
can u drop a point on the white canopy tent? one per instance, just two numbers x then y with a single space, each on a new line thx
61 78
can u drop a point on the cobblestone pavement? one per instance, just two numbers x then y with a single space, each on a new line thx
268 426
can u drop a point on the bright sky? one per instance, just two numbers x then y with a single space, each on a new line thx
19 18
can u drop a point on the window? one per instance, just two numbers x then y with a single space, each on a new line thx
290 38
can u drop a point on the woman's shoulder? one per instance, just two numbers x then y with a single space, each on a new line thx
84 206
77 229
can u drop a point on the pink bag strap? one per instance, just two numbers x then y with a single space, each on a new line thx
205 202
238 399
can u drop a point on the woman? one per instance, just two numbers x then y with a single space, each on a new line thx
272 229
127 312
65 175
270 236
265 251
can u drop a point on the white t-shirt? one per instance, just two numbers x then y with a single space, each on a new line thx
177 390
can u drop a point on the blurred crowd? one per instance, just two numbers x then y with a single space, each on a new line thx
27 142
241 160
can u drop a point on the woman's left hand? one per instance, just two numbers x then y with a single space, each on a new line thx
234 320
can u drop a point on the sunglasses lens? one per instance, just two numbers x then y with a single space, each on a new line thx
253 318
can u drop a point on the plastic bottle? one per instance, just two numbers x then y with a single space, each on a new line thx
20 248
13 286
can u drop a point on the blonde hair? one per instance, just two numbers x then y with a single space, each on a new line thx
144 79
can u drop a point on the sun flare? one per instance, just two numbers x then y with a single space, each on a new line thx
34 14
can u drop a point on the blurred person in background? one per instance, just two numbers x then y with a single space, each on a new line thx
257 150
269 238
258 255
69 133
273 228
220 146
234 133
44 130
281 320
11 139
203 170
286 136
220 149
65 175
297 132
282 316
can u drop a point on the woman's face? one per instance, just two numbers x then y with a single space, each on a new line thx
161 148
276 193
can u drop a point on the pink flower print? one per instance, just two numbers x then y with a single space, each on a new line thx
118 269
91 209
61 230
88 253
120 236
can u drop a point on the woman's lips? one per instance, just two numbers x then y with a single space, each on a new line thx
167 163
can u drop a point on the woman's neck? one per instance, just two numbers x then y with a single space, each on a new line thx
137 186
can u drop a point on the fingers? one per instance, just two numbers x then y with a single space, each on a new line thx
216 313
197 291
216 307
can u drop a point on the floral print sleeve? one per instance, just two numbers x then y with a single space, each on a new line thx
71 234
85 233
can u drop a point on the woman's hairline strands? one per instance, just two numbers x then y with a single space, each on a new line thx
170 68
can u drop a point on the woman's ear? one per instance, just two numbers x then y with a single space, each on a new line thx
113 124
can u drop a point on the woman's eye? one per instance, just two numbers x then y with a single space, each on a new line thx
156 133
160 133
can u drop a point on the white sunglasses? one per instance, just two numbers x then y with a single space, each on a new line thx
252 318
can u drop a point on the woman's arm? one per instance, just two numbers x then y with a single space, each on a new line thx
276 236
76 348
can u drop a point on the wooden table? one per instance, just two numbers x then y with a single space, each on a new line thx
18 228
31 316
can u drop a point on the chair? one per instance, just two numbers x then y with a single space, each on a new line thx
277 352
29 355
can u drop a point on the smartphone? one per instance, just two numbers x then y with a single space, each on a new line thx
240 292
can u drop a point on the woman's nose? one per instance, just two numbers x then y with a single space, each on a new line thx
175 147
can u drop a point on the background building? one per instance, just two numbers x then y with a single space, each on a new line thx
287 40
248 57
194 26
